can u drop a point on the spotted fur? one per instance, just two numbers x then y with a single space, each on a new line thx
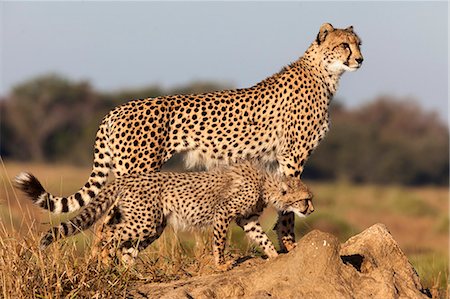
281 119
141 205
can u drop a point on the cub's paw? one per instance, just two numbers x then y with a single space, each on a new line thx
225 266
290 246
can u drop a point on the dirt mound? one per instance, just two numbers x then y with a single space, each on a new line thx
368 265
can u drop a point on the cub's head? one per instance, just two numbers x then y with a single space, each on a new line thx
339 49
295 197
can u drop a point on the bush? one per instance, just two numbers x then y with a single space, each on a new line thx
387 141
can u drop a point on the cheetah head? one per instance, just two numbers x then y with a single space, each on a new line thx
295 197
339 49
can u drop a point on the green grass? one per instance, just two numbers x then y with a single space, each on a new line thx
411 205
433 269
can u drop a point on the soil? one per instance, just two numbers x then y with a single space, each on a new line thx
368 265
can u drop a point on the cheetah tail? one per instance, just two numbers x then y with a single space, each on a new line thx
88 216
31 186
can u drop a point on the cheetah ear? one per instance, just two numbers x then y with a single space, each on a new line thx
349 28
323 32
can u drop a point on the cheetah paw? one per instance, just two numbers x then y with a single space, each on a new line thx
290 246
225 266
272 255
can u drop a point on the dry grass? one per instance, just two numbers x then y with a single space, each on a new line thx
63 271
67 270
27 272
417 218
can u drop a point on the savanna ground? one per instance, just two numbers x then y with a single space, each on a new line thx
417 218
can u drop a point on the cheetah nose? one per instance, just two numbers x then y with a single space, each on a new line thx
359 60
311 207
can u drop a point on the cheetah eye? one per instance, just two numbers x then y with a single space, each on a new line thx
345 46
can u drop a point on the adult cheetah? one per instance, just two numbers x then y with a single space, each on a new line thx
140 205
281 119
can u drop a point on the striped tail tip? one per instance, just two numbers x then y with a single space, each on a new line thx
29 184
49 237
45 242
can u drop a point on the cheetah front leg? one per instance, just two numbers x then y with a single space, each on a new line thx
290 165
285 231
254 231
220 228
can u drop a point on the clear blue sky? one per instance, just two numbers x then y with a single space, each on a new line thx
132 44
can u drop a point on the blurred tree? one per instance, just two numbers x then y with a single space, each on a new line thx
385 141
44 110
50 118
5 130
113 99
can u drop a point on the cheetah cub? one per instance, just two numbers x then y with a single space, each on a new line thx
140 206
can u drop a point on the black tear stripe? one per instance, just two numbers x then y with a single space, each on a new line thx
350 55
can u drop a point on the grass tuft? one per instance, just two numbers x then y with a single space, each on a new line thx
28 272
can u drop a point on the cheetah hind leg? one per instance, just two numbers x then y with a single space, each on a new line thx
104 245
107 237
254 231
130 250
112 249
285 231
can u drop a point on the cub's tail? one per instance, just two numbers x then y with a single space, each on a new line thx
88 216
99 175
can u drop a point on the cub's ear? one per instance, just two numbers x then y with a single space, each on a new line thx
323 32
349 28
